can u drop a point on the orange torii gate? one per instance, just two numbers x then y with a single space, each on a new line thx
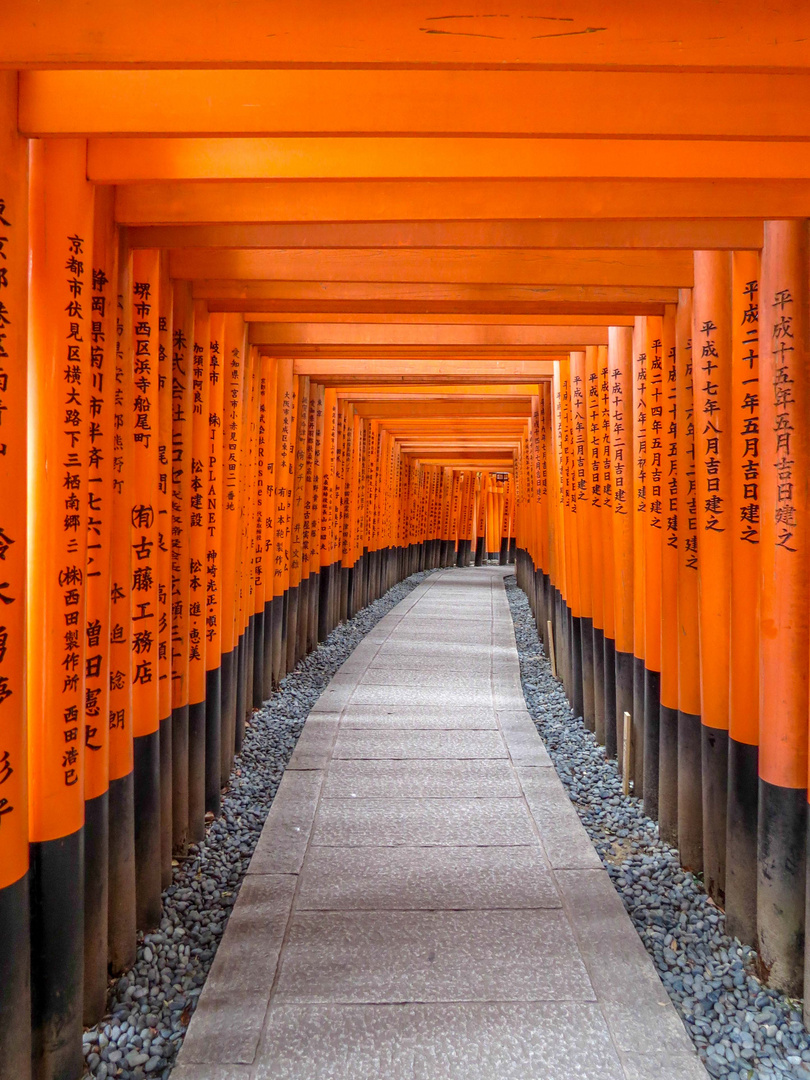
258 364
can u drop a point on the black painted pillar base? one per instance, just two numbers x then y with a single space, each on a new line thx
197 724
325 602
586 650
345 578
258 659
624 667
227 697
180 766
741 841
480 550
292 627
267 642
96 896
652 737
57 951
213 743
638 727
715 810
165 736
782 886
276 650
148 887
511 557
314 604
121 921
503 554
577 684
690 793
668 775
241 695
598 653
15 982
611 728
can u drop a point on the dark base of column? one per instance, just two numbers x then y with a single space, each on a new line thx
586 649
741 841
213 744
121 921
165 738
312 618
598 651
503 554
609 665
715 804
576 691
325 602
197 721
668 776
267 643
180 766
276 641
652 737
781 885
227 697
241 694
57 952
15 982
480 551
512 556
638 727
624 699
345 577
292 627
96 895
148 887
690 792
258 658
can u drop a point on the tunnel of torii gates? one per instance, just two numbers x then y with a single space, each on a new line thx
297 300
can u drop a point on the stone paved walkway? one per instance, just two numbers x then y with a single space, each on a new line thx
423 903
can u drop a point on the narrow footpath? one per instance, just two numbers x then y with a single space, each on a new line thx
424 903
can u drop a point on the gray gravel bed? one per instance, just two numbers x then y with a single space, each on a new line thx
151 1005
742 1029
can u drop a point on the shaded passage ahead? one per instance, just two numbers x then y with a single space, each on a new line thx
423 902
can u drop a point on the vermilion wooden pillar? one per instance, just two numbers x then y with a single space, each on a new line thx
785 577
15 985
711 363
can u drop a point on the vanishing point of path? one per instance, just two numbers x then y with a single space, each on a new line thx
423 903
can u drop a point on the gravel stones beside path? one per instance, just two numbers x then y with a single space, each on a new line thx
151 1005
742 1029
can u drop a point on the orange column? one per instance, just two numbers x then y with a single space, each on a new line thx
641 485
298 482
150 851
784 550
603 526
181 476
581 506
59 382
743 755
232 414
267 450
101 405
596 495
620 364
690 788
653 551
198 576
668 742
215 606
122 915
15 999
163 562
711 358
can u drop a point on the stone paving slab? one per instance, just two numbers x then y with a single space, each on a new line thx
418 718
386 744
423 822
421 779
423 903
490 1041
390 956
437 878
